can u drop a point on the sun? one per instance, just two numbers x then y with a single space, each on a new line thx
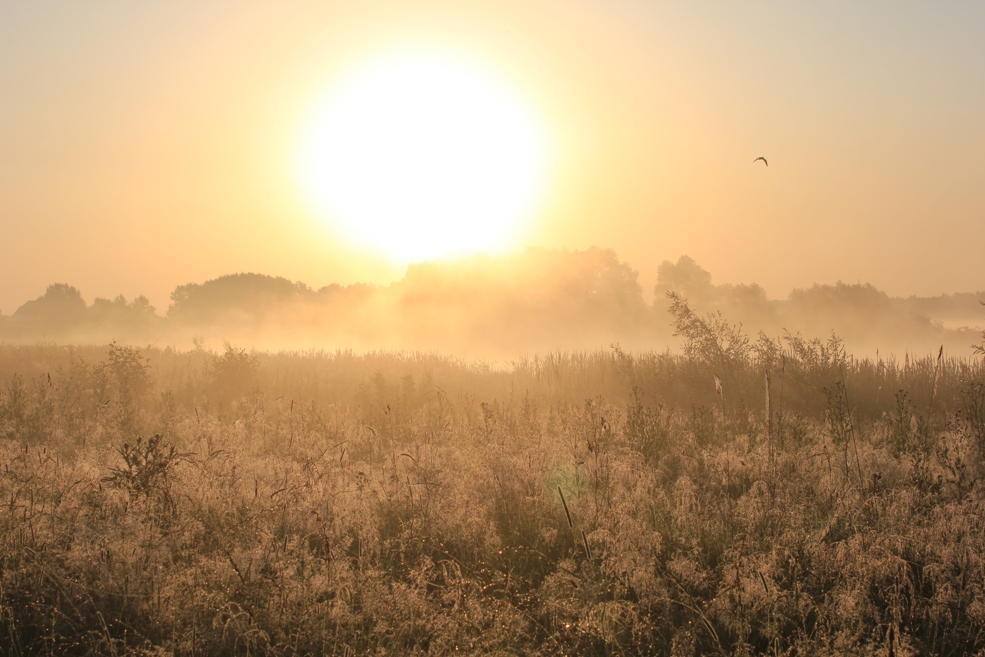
420 155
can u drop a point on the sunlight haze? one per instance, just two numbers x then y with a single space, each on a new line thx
492 327
418 155
149 145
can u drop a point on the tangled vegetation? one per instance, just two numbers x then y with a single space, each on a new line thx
739 497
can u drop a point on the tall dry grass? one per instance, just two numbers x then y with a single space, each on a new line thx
199 503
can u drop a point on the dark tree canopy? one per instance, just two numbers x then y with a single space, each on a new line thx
252 294
60 307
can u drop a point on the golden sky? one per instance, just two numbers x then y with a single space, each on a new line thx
147 145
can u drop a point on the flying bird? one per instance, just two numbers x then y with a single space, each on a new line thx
763 159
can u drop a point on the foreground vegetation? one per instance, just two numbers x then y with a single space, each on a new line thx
776 497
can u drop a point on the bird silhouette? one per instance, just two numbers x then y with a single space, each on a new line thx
763 159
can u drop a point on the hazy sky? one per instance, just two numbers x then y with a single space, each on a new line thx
146 145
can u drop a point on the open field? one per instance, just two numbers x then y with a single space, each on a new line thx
340 328
589 503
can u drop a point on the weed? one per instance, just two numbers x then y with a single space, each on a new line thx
583 504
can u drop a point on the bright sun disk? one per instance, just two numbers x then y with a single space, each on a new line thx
422 156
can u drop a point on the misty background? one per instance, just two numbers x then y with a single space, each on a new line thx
499 307
148 144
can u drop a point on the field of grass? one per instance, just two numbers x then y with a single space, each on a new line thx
771 497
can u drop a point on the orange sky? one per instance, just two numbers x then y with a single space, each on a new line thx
147 145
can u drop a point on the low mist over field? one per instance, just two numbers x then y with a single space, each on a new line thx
498 308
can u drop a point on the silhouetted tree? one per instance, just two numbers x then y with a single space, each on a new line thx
122 319
59 310
686 278
250 294
855 311
745 304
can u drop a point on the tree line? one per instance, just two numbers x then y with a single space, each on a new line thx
532 301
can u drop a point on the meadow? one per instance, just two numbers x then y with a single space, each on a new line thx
735 496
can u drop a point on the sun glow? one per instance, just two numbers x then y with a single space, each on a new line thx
419 156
